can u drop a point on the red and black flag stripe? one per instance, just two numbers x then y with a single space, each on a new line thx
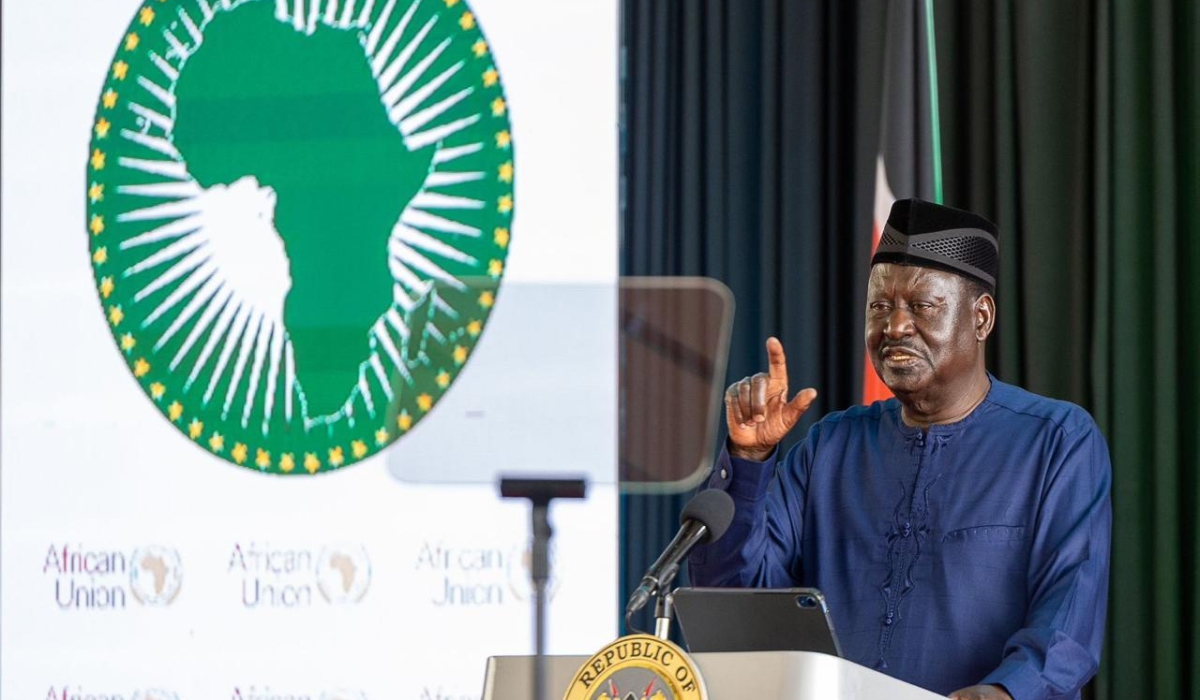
908 162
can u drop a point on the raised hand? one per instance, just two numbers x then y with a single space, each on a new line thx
758 411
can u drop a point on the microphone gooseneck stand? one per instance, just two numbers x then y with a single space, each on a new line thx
540 491
704 519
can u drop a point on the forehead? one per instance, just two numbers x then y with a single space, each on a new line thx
890 277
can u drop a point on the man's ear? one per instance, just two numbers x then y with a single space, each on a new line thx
985 316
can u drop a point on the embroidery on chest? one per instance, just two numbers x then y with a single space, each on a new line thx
907 535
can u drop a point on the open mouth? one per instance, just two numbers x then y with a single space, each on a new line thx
899 357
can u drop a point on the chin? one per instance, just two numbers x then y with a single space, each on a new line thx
903 381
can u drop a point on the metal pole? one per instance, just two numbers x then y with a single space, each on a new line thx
539 571
664 610
540 491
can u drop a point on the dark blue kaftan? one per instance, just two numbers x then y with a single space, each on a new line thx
975 552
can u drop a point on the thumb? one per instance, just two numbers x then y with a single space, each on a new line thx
799 405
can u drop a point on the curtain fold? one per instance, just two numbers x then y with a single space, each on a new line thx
741 140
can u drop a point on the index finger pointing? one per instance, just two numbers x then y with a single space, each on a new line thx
776 360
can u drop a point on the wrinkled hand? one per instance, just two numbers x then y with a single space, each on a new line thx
757 410
981 692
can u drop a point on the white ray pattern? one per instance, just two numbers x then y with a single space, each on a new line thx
423 240
220 249
217 246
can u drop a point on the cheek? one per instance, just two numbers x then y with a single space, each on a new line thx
872 331
951 343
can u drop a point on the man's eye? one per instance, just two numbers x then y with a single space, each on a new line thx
880 306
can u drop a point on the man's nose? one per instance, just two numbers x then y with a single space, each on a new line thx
899 323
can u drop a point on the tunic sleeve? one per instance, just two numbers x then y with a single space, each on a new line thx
761 548
1058 648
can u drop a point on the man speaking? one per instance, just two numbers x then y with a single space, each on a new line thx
959 531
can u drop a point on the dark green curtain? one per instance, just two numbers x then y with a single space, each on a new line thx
750 128
1074 124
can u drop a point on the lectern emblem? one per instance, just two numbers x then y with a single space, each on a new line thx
638 667
299 214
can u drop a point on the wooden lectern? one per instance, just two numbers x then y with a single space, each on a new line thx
762 675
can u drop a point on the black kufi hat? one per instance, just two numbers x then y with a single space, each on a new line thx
932 235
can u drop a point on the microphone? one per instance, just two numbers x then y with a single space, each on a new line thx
704 519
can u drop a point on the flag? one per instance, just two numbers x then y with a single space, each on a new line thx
908 163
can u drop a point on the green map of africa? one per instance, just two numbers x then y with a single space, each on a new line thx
302 115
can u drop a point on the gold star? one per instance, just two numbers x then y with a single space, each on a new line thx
127 340
102 127
480 48
146 16
217 442
381 436
98 159
100 256
131 42
498 106
96 225
504 204
487 299
474 327
404 422
335 456
120 68
358 448
500 235
109 99
262 458
495 267
141 368
466 21
239 452
195 429
460 354
490 77
424 402
157 390
506 172
106 287
451 3
287 463
503 139
96 192
443 379
311 463
115 314
174 411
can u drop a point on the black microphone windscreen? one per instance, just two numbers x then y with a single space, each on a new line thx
712 507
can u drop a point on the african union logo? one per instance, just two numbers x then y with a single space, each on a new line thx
299 213
343 573
155 575
638 667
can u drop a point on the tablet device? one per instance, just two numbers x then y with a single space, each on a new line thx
755 619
